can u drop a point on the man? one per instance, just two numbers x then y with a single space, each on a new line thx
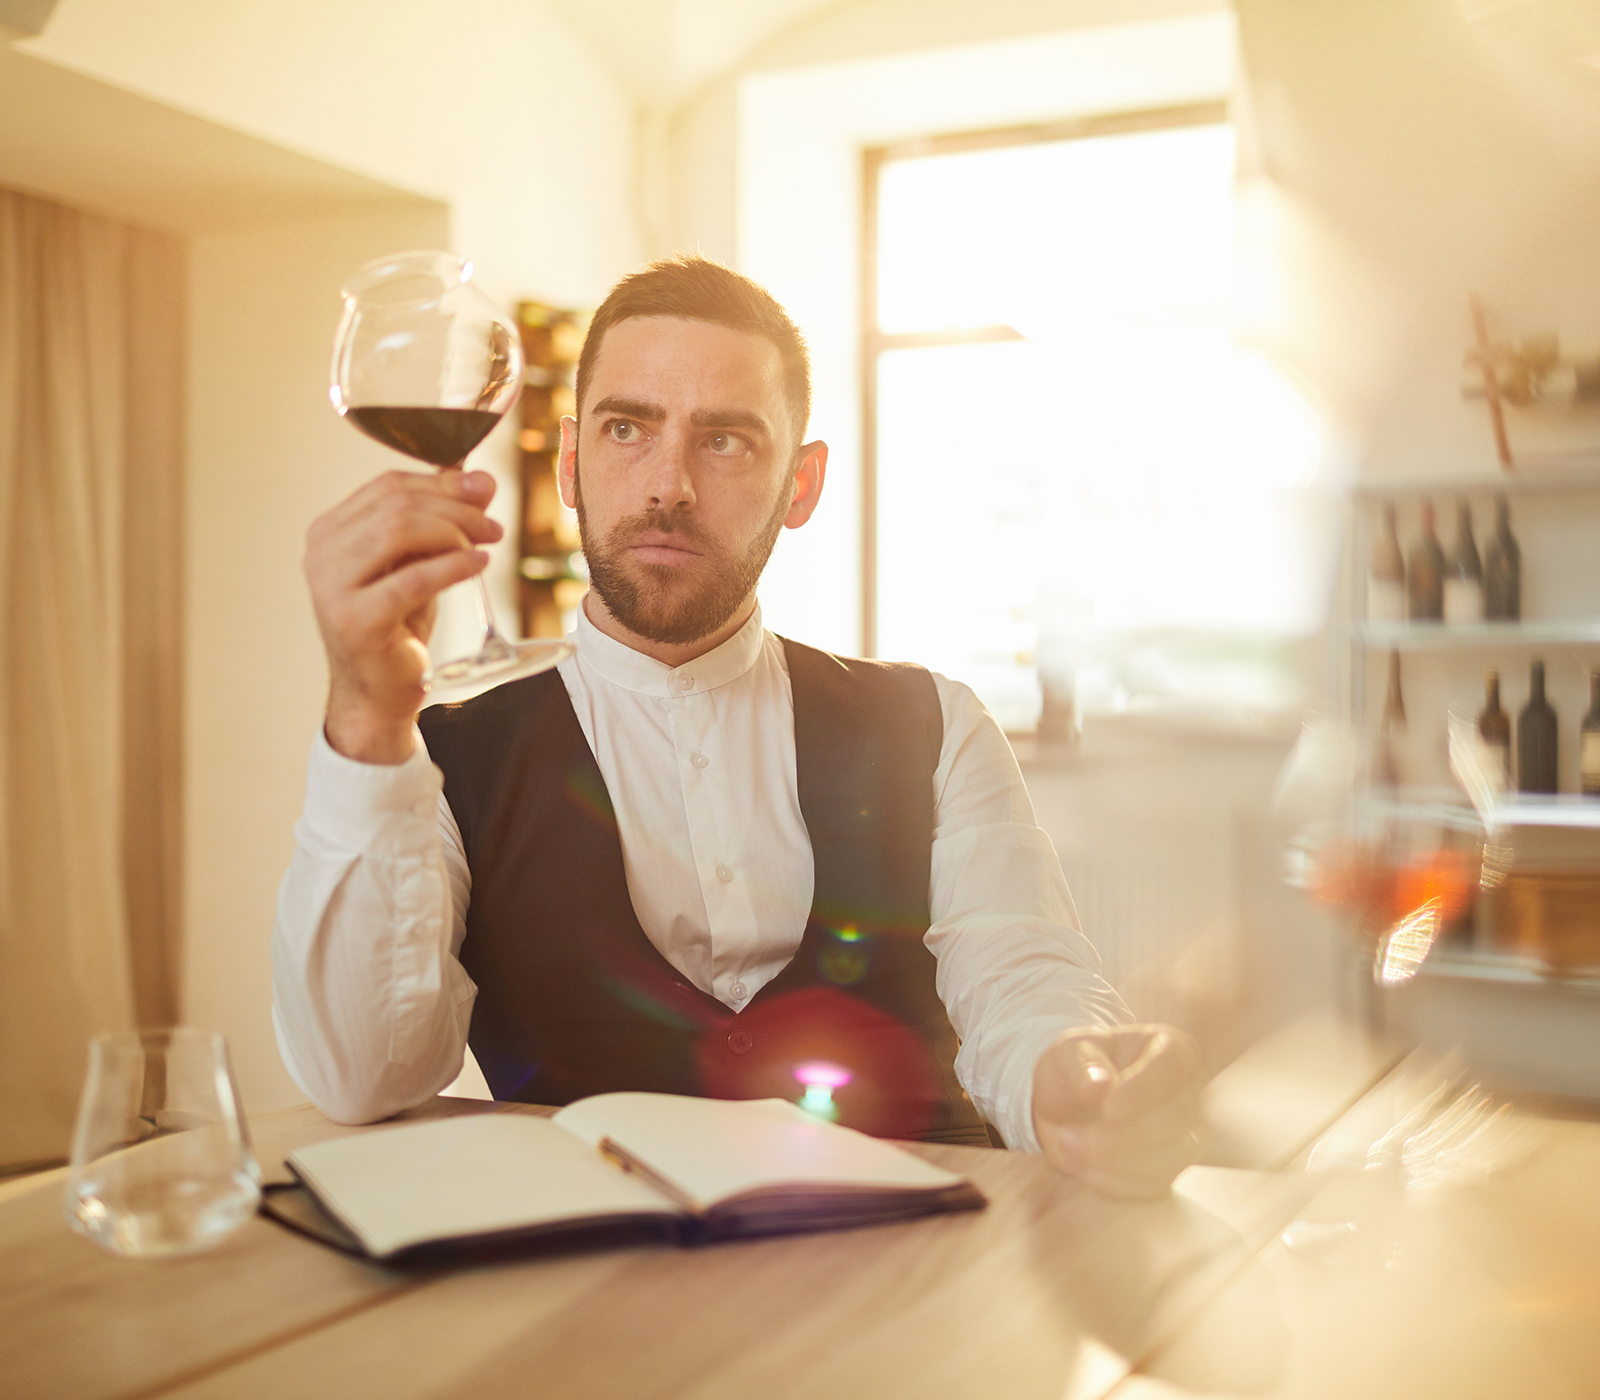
697 858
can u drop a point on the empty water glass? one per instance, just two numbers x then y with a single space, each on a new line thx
161 1160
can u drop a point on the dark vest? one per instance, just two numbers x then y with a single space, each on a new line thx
574 999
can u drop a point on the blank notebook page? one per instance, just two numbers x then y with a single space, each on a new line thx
716 1148
465 1176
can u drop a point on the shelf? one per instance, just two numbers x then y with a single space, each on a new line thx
1448 807
1557 472
1466 965
1439 636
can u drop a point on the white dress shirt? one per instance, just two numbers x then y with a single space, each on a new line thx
371 1005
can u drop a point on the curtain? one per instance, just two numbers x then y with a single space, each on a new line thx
91 433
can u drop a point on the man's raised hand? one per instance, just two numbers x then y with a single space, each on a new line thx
377 563
1120 1108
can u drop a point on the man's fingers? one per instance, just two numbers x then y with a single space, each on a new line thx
1071 1079
390 531
474 488
1166 1122
406 591
1120 1107
1167 1065
1104 1155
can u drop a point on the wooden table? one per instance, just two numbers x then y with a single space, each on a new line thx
1050 1292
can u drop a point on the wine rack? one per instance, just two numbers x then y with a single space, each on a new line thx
551 576
1556 515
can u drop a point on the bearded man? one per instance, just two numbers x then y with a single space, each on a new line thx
697 857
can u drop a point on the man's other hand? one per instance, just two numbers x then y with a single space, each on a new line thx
377 563
1120 1108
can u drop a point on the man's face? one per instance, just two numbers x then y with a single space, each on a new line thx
682 472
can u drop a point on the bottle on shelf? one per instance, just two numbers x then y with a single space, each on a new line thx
1463 579
1386 574
1537 732
1391 730
1425 574
1502 569
1494 725
1589 741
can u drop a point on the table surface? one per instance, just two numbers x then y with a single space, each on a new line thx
1476 1287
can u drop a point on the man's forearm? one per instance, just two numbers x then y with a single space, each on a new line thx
370 1004
1012 985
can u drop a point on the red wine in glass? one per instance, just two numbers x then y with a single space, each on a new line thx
442 436
424 363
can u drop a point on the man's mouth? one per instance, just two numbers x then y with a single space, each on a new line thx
662 547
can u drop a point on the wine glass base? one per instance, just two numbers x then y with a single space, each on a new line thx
498 662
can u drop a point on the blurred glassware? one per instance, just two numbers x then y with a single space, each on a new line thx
1437 1129
161 1159
1405 875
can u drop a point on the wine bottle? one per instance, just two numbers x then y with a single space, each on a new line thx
1502 569
1494 726
1425 573
1537 731
1463 579
1386 576
1589 739
1391 730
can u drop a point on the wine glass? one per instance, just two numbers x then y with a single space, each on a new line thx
425 364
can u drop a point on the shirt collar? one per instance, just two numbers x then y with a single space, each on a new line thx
633 670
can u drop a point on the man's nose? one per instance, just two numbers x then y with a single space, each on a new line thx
669 482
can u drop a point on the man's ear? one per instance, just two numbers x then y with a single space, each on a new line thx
567 463
808 479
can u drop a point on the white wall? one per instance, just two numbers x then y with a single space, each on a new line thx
1413 157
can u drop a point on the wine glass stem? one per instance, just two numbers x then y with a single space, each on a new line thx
485 609
480 594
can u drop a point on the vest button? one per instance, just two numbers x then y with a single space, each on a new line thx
741 1042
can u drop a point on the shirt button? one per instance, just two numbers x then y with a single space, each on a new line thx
738 990
685 682
741 1042
699 760
724 874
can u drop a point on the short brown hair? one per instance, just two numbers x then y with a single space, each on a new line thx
693 288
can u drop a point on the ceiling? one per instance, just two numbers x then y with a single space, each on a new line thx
661 50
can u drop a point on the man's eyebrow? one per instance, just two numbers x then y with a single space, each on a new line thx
731 418
631 408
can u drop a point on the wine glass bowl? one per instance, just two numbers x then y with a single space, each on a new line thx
426 364
1404 878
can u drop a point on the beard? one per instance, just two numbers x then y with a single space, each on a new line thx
656 601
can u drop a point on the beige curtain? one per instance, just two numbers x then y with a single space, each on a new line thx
91 430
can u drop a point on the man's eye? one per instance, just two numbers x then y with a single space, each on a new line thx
623 431
727 444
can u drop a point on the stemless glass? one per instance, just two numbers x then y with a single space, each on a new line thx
161 1160
425 364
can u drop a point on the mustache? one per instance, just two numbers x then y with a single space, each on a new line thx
652 522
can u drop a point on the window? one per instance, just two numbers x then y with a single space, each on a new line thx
1066 458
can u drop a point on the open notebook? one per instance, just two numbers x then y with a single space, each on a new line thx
689 1169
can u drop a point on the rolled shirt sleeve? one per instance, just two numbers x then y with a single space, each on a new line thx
1014 967
370 1005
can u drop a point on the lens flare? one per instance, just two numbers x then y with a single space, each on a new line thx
821 1079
